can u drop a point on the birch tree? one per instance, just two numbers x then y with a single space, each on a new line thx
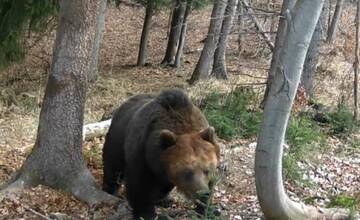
279 43
272 196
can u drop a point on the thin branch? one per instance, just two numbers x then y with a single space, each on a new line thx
245 74
35 212
264 10
258 26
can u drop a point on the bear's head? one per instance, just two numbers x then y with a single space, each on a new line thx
190 159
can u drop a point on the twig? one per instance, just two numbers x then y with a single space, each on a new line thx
264 10
35 212
245 74
251 84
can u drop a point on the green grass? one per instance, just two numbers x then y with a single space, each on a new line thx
341 121
342 201
304 137
233 115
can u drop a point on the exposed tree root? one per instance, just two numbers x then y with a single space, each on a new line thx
84 188
12 188
317 213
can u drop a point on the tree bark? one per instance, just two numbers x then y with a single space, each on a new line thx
176 23
240 40
279 43
100 23
56 160
334 23
275 203
219 66
207 55
312 56
356 61
180 48
145 33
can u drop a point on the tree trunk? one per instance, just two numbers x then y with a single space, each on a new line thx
241 16
56 160
207 54
100 23
275 203
176 23
312 57
180 48
219 66
145 33
356 62
334 23
279 43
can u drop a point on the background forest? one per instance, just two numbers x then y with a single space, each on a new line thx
321 163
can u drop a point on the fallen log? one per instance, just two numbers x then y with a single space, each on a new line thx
96 129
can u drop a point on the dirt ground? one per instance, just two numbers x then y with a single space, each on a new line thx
22 86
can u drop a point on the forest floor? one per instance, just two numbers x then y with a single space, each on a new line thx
21 89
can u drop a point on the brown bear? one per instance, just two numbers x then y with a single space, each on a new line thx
154 144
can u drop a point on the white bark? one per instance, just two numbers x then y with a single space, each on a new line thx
272 197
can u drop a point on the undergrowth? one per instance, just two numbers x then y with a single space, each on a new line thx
344 201
341 121
234 114
304 137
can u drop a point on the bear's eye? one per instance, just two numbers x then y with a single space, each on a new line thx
188 174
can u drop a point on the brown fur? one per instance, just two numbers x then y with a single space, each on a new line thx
155 143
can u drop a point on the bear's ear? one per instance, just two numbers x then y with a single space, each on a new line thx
168 138
208 134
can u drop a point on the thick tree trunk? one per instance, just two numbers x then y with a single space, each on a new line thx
145 33
180 48
207 55
219 65
56 160
279 43
334 23
356 61
272 197
176 23
100 23
312 57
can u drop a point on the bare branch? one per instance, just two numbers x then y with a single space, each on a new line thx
258 26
